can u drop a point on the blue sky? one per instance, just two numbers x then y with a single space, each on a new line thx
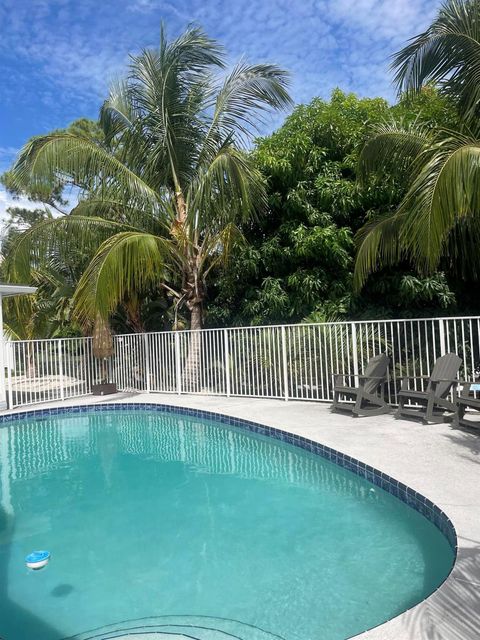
57 56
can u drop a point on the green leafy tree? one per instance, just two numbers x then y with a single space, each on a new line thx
162 199
436 224
298 262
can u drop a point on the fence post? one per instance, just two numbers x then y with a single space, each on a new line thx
226 361
88 365
443 343
285 364
60 369
147 362
10 358
355 352
177 363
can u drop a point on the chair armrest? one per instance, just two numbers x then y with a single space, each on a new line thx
435 382
359 376
340 379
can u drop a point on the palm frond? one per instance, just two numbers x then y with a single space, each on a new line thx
393 148
170 101
445 192
378 246
36 244
86 164
218 247
118 112
447 53
443 202
156 221
192 52
125 265
13 331
231 189
246 94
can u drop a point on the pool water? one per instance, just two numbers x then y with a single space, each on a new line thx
192 526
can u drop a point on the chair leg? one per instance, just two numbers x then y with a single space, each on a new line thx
337 404
358 403
459 415
399 411
335 401
430 412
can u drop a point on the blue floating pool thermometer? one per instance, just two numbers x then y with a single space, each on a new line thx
37 559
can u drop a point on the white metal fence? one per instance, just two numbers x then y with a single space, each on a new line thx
287 361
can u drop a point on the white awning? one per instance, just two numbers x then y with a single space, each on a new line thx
15 290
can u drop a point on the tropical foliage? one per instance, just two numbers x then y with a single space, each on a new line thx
180 221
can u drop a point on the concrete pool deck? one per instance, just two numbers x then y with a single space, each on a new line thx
438 461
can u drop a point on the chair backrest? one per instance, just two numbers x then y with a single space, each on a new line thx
445 368
376 368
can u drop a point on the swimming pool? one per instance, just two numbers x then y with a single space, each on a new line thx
177 523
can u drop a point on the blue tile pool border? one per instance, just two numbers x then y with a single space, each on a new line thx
401 491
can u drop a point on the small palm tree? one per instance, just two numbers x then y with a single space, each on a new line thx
162 197
439 215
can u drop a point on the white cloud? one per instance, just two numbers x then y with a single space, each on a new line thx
6 201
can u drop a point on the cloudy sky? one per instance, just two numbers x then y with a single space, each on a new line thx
57 56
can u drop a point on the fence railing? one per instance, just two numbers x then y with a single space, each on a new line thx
292 362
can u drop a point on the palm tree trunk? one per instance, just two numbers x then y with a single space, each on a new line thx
30 372
193 364
196 317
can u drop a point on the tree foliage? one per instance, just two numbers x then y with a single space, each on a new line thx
298 262
171 192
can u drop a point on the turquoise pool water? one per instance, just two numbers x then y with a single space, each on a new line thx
189 524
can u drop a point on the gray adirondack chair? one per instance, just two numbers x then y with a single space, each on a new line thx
433 402
368 395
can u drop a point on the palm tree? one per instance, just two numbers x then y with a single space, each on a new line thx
163 196
439 215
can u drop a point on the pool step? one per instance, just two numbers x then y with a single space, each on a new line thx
178 628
